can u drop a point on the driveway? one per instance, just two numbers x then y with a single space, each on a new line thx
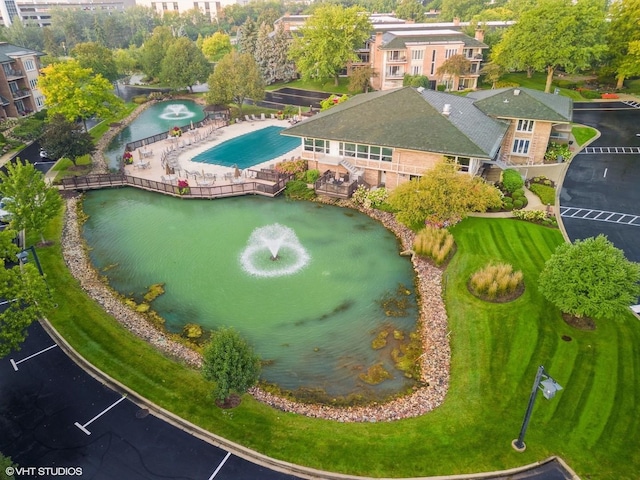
600 193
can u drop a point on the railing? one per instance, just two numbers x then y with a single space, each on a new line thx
91 182
13 73
327 185
20 93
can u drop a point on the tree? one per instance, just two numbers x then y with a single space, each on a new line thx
328 41
442 195
590 277
216 46
464 9
454 66
64 139
29 301
623 40
74 92
492 73
264 54
284 69
154 50
96 57
410 10
230 362
235 78
33 203
360 79
127 60
248 37
553 34
184 65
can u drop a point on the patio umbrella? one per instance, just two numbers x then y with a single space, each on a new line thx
299 113
236 172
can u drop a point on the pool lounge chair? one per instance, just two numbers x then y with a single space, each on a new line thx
253 117
262 117
247 118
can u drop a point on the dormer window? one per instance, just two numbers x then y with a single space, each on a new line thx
525 125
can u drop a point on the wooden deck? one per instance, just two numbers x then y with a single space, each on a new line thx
254 186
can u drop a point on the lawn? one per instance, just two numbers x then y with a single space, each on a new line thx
537 82
327 85
583 134
496 349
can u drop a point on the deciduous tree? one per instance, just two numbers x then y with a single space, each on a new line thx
454 66
360 79
184 65
33 203
623 40
230 362
235 78
553 34
74 92
154 50
328 40
442 195
216 46
64 139
410 10
96 57
591 278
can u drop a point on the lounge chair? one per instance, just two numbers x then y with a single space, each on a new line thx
273 116
247 118
262 117
253 117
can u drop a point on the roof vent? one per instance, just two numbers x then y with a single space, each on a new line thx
516 92
506 100
420 89
446 110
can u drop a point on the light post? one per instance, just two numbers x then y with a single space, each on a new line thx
549 388
23 257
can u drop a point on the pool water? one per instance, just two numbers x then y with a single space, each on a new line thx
314 327
249 149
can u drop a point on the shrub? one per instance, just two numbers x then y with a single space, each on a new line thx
512 180
297 189
554 150
589 94
546 193
28 129
518 203
139 99
505 84
366 198
566 84
507 203
312 175
495 280
441 88
519 193
435 243
296 167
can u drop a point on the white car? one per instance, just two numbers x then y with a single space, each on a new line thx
43 154
5 216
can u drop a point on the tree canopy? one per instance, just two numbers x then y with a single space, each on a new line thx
442 195
96 57
454 66
230 362
216 46
64 139
328 40
624 40
75 92
33 203
235 78
184 65
590 277
154 50
553 34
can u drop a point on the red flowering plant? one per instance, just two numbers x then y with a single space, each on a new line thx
183 187
127 157
175 132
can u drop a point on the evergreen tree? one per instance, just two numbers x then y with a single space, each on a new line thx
284 69
264 54
248 37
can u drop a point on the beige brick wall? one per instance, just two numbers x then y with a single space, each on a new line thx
538 139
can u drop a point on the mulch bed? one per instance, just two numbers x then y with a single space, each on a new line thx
232 401
581 323
509 297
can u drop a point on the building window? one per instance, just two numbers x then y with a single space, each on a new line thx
463 162
40 101
416 70
520 146
29 65
366 152
316 145
525 125
33 83
394 56
433 62
450 52
417 54
394 71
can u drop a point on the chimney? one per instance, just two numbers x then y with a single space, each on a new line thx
456 21
479 36
446 110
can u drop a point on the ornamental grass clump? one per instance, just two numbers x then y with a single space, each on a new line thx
435 243
495 281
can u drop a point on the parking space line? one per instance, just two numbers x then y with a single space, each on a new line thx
84 427
224 460
598 215
14 364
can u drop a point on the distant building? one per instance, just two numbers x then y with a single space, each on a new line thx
38 13
212 9
19 93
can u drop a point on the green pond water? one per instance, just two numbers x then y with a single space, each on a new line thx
314 326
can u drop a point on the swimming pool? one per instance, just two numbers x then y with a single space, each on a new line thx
249 149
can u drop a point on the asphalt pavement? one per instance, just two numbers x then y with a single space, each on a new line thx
600 193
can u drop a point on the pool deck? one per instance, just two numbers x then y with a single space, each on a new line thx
224 175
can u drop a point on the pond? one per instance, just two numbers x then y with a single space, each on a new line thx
312 322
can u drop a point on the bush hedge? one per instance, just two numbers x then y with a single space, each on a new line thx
511 180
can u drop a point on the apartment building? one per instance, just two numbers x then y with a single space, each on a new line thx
38 13
19 93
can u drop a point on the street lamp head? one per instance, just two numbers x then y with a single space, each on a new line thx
549 388
22 256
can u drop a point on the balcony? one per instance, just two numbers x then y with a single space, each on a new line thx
394 74
397 59
12 74
20 94
4 102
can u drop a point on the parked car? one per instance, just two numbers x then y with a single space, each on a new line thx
43 154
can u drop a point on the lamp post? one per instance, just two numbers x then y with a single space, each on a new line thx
549 388
23 257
